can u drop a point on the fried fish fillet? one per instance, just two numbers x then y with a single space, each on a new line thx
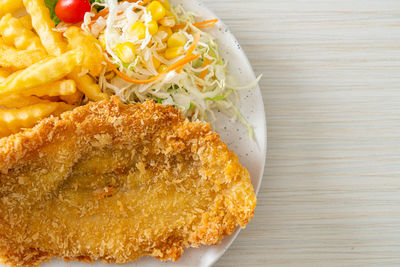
115 182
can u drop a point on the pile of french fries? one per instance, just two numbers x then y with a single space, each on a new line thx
43 72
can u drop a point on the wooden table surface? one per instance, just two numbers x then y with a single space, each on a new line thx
331 189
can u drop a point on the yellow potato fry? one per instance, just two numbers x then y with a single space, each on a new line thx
26 21
43 72
58 88
19 59
14 33
43 26
19 101
51 98
3 130
90 46
62 107
10 6
4 73
74 99
13 120
88 86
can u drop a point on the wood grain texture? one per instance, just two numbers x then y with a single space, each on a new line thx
331 189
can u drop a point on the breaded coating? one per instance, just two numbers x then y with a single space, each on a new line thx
115 182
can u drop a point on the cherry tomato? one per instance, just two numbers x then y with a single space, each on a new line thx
72 11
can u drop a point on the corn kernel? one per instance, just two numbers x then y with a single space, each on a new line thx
177 39
156 63
166 4
162 68
168 21
167 30
174 52
126 52
153 27
138 30
102 40
157 10
169 13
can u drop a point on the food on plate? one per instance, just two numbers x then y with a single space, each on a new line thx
13 32
115 182
12 120
19 59
10 6
19 101
57 88
26 21
72 11
4 73
40 70
106 180
43 25
142 40
54 69
137 50
82 41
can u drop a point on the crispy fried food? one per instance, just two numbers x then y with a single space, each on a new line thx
13 120
57 88
90 47
88 86
74 99
114 182
19 101
45 71
19 59
26 21
13 32
10 6
44 26
4 73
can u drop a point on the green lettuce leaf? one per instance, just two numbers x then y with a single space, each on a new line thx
51 5
219 97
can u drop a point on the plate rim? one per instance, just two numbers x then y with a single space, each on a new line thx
264 126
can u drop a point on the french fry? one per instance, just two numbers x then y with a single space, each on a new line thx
14 33
19 59
74 99
13 120
4 73
10 6
43 26
88 86
62 107
19 101
51 98
90 46
45 71
3 130
26 21
57 88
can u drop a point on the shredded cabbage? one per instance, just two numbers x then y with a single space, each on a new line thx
197 97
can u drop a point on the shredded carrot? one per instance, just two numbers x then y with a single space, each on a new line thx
196 40
200 25
101 13
144 2
206 62
203 74
172 67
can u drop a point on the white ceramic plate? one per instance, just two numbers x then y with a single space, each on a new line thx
251 153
